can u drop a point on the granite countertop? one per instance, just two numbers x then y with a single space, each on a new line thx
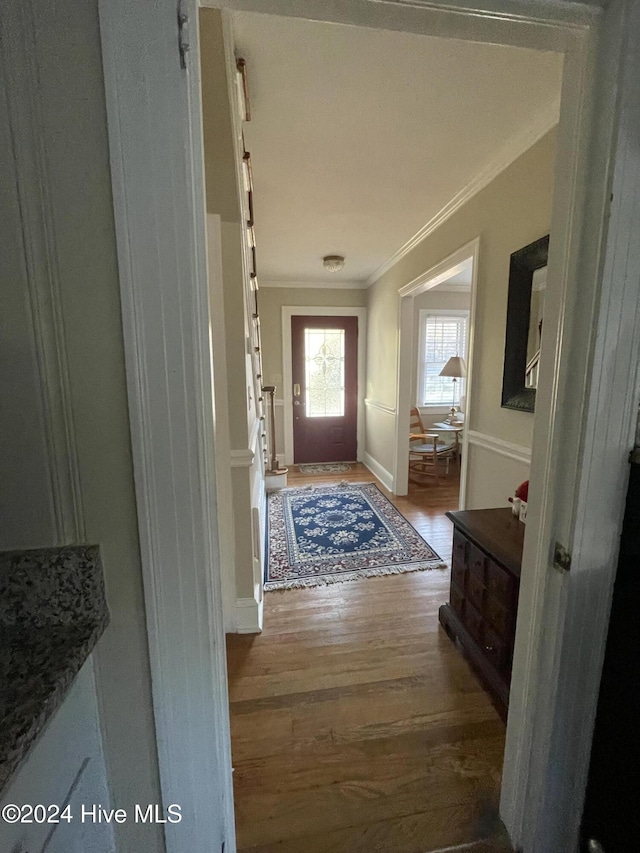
52 612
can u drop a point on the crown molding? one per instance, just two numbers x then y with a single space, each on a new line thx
515 148
362 284
451 288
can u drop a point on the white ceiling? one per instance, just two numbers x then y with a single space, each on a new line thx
359 137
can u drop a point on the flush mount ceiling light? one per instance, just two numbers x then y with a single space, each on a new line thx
333 263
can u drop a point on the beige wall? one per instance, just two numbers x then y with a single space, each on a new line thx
272 300
512 211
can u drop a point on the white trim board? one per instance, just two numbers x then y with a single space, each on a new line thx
378 406
558 690
538 25
242 458
289 311
222 449
162 260
316 285
385 477
249 616
517 452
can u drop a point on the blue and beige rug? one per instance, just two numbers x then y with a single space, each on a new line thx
328 534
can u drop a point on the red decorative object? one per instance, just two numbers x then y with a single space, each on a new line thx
522 491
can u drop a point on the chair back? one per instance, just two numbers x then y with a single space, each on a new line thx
415 421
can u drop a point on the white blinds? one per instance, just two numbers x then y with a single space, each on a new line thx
444 336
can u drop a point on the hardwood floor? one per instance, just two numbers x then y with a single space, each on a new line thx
357 726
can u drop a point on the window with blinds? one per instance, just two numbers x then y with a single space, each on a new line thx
442 335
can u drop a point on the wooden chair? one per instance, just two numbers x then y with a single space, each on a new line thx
427 458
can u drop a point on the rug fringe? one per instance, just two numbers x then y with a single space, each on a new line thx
325 580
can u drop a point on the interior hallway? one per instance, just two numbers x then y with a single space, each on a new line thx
356 724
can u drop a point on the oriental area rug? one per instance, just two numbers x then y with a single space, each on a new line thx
328 534
324 467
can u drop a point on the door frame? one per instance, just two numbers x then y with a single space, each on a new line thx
169 372
587 397
407 359
289 311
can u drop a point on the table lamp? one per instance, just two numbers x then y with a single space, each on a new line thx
456 369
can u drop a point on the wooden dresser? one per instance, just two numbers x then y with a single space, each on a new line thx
485 581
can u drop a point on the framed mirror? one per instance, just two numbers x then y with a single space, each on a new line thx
525 315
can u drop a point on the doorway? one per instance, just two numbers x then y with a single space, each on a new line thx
324 369
330 435
455 276
122 31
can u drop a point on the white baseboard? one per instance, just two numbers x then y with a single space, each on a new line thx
385 477
248 616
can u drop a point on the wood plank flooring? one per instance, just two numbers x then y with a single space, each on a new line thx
357 726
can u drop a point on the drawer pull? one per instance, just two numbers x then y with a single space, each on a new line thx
489 649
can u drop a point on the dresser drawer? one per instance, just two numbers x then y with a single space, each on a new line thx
500 583
459 551
473 621
457 601
475 591
494 647
497 614
477 562
459 560
459 576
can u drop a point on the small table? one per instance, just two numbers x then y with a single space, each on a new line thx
445 427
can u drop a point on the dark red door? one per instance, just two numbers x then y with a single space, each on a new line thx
325 388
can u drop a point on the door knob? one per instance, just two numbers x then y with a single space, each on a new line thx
296 390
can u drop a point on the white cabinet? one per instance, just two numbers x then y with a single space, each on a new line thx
66 765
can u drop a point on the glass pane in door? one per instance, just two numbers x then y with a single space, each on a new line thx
324 372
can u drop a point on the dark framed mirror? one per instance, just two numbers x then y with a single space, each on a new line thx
525 312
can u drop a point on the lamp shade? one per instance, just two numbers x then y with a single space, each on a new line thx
454 367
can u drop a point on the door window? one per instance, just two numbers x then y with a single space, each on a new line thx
324 372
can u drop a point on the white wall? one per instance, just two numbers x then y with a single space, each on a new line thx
493 477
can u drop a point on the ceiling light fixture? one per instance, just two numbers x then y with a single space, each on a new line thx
333 263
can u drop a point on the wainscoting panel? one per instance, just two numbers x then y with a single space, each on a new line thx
493 475
380 437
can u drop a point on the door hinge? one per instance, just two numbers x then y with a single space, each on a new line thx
183 34
561 558
634 457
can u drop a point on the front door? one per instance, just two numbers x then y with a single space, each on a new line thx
325 388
